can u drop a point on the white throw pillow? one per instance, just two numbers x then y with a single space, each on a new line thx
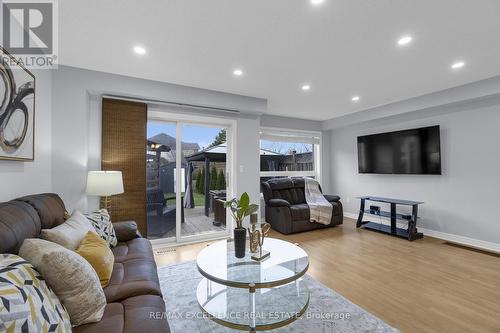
71 232
103 226
72 278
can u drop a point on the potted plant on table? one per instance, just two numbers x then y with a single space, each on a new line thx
240 208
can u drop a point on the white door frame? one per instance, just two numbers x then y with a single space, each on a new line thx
180 119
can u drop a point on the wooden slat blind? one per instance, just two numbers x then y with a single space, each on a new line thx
124 149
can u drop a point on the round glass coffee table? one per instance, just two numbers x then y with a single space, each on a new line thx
253 295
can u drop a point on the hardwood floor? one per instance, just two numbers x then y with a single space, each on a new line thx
423 286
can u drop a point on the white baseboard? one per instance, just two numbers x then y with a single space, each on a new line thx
163 243
462 240
452 238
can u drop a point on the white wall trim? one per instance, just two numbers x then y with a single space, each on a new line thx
462 240
353 216
289 130
457 239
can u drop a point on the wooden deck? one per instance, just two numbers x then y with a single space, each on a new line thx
195 223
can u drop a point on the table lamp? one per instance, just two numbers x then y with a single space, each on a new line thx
104 184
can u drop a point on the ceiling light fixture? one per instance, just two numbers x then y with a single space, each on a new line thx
139 50
355 98
405 40
306 87
316 2
238 72
458 64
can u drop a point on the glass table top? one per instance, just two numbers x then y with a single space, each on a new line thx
274 307
286 263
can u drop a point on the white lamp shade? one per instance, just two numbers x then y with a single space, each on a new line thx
104 183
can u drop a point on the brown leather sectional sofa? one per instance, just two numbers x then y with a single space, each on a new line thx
134 298
287 210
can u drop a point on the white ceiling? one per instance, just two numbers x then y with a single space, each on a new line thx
341 48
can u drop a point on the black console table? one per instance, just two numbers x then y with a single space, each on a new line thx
410 234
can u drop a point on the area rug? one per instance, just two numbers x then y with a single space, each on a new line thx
327 312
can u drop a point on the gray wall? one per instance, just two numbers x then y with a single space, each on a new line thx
22 178
462 201
76 126
67 131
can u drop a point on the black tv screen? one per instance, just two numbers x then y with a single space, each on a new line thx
413 151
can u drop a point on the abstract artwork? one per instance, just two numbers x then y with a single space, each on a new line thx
17 110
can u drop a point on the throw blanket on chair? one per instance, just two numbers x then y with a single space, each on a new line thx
320 209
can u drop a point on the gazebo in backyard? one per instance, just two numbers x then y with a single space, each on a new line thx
214 154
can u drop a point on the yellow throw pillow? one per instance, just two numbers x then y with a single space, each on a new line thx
97 252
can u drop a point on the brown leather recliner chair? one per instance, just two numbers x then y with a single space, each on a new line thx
287 210
133 293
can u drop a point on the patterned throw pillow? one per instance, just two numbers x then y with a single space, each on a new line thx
103 226
27 304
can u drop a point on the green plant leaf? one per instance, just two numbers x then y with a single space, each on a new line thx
241 208
241 214
244 200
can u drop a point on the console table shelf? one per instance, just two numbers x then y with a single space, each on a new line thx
410 234
405 217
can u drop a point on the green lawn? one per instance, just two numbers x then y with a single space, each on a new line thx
199 199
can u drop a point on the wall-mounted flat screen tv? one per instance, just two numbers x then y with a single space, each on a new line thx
414 151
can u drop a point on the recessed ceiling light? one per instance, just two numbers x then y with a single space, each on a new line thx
139 50
458 64
306 87
238 72
316 2
404 40
355 98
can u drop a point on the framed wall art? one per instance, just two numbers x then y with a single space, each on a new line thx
17 110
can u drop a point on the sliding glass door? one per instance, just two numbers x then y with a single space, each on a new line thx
204 155
161 162
188 168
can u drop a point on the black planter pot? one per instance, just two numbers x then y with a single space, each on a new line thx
240 240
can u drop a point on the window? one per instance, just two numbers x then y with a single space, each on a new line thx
287 153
